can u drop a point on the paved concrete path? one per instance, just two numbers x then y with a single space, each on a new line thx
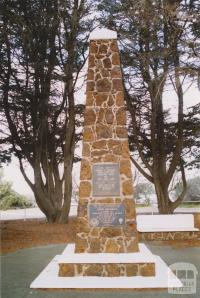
31 213
20 268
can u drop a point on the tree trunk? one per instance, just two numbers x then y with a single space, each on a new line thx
50 195
52 212
162 197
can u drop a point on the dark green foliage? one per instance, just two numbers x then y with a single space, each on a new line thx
42 51
159 51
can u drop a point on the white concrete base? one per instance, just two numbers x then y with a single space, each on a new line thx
49 279
69 257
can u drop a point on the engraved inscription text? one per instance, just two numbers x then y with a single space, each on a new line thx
106 180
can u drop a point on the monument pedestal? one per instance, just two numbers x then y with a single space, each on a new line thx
163 279
141 263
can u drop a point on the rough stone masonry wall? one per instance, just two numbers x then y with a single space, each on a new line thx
109 270
168 236
105 140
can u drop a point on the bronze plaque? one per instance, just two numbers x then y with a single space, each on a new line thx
106 180
106 215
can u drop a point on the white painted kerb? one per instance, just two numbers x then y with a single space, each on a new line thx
103 34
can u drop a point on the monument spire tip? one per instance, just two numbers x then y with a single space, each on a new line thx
103 33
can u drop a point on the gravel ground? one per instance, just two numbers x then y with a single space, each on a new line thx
19 234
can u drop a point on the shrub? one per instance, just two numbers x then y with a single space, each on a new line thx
9 199
14 200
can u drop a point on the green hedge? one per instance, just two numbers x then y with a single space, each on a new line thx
9 199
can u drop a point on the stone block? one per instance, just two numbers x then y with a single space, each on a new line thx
103 131
116 72
89 98
94 245
125 149
110 232
120 99
121 132
110 158
111 246
105 72
88 135
82 210
103 85
114 46
91 62
98 77
90 86
107 63
129 231
102 144
113 143
127 188
115 59
93 270
100 116
132 244
81 245
84 229
85 189
147 270
117 150
94 232
90 117
109 116
86 150
93 47
117 84
90 75
81 221
130 208
132 270
121 116
101 98
86 172
99 153
103 49
125 168
110 101
99 57
112 270
66 270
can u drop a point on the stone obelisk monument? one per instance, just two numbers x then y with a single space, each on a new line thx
106 209
106 246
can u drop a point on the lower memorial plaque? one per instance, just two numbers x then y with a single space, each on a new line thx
106 215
